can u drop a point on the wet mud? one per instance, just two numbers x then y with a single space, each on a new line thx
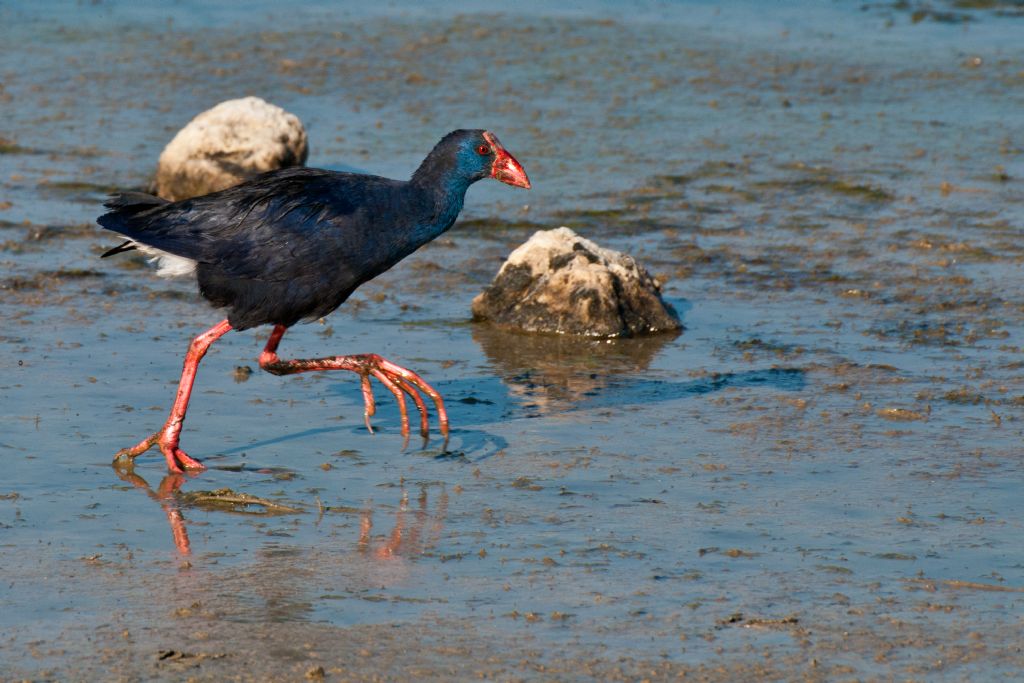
819 479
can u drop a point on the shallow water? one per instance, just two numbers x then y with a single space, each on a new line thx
819 478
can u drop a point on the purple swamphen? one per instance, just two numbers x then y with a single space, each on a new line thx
292 245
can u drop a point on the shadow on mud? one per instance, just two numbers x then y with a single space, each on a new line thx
462 443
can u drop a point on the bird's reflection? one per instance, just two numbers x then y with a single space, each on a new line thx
409 536
165 495
416 528
550 373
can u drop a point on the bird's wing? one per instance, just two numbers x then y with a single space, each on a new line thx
270 228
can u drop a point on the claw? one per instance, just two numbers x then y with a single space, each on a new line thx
371 407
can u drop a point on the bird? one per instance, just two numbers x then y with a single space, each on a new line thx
292 245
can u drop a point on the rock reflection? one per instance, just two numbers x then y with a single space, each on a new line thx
551 373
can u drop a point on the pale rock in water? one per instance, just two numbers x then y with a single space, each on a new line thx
560 282
228 144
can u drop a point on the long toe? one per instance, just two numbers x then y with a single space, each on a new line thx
420 405
384 378
129 454
178 460
187 462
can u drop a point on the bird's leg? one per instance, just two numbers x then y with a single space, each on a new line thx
167 438
398 380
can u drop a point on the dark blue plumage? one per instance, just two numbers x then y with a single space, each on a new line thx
294 244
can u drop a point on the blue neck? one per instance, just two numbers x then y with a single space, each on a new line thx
451 197
447 196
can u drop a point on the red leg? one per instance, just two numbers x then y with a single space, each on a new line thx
167 438
396 379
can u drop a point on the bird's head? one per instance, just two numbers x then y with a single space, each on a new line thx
477 154
498 163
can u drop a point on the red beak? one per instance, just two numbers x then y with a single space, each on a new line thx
505 167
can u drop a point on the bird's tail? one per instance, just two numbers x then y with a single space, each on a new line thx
132 202
125 206
127 245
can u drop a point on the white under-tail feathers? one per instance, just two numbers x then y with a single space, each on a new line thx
167 265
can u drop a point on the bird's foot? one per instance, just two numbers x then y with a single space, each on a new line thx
177 460
399 381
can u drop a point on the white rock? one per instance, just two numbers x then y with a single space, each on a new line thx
560 282
230 143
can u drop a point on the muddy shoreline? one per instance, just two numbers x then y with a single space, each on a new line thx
818 479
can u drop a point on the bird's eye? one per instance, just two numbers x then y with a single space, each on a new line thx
483 150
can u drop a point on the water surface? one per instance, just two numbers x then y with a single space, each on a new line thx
820 478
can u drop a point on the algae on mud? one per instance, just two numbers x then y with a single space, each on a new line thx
734 502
